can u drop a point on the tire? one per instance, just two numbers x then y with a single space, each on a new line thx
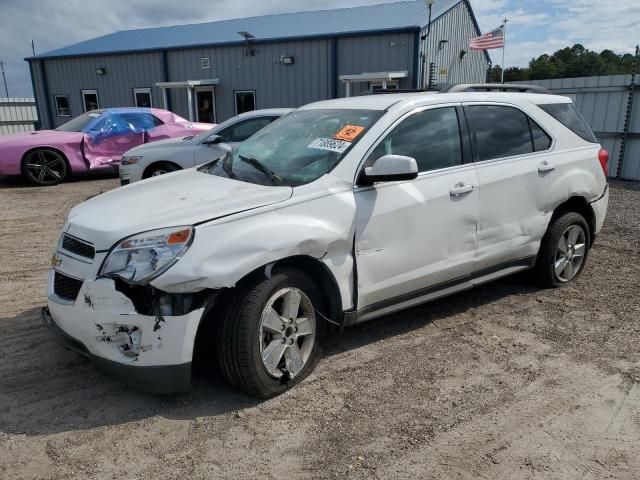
563 251
44 167
160 168
244 337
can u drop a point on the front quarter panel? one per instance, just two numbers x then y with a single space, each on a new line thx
318 221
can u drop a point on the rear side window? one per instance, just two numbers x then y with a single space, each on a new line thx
541 141
498 131
432 137
568 115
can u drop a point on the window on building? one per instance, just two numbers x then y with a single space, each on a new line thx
63 108
245 101
432 137
498 132
142 97
240 131
90 100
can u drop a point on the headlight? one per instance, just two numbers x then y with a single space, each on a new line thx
143 257
129 160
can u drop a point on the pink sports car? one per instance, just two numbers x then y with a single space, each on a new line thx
94 140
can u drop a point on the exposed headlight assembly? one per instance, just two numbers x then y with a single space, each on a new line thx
129 160
143 257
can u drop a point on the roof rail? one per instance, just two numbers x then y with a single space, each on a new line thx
494 87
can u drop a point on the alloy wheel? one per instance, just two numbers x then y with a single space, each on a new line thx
46 166
287 333
570 253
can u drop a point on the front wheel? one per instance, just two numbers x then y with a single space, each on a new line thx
563 251
270 336
161 168
44 167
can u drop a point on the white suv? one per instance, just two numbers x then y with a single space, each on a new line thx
338 213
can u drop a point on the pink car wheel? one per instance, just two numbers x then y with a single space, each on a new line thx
44 167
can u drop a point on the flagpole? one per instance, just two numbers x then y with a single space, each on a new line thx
504 45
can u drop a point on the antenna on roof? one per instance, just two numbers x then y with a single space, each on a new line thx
250 52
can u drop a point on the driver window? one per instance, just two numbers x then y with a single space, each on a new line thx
432 137
243 130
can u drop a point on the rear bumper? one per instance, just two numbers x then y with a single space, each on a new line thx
599 207
164 379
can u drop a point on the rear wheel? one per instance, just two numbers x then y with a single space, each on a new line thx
44 167
270 337
563 252
160 168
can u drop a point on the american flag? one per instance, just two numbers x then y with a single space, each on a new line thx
494 39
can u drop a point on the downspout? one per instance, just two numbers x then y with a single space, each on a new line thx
166 94
334 68
45 88
35 96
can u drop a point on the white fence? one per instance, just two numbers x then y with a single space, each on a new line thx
17 115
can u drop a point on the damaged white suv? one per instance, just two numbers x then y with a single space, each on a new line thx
338 213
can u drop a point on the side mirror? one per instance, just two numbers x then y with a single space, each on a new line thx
391 168
212 140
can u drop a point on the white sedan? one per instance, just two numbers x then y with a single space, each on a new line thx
166 156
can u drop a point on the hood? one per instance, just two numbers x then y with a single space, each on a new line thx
186 197
172 143
41 137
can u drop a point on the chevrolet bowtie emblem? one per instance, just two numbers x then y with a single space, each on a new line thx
55 261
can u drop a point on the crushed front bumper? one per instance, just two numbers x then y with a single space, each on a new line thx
165 379
153 353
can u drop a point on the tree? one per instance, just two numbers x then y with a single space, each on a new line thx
575 61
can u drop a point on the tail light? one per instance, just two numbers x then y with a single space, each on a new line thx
603 156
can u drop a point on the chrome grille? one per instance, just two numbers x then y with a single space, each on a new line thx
65 287
78 247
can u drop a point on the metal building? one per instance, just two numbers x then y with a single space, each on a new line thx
211 71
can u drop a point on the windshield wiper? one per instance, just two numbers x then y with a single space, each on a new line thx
258 165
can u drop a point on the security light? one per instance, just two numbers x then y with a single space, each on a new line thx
101 71
287 59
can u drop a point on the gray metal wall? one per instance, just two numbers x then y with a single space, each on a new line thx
123 73
604 102
457 28
313 76
375 53
276 84
17 115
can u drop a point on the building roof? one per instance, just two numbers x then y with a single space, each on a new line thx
404 15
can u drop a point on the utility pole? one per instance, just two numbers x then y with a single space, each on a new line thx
4 78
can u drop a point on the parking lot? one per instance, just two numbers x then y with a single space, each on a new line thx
505 381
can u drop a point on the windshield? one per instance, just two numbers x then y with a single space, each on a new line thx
296 149
79 123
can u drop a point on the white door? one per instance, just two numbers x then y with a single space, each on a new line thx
413 236
509 149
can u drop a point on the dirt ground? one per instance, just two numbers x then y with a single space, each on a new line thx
505 381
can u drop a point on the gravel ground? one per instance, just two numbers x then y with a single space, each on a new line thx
505 381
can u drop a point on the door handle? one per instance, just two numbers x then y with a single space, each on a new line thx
461 189
546 167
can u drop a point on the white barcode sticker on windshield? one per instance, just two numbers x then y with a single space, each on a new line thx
330 144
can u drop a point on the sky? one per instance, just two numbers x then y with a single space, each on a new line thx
534 28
